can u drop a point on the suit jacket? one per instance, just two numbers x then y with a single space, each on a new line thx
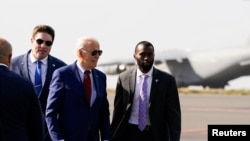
19 65
20 112
68 113
164 105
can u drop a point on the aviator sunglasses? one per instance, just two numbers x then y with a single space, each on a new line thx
40 41
94 52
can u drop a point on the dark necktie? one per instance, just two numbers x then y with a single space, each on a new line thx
87 85
38 78
143 104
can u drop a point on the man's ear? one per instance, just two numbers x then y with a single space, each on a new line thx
9 60
31 40
80 53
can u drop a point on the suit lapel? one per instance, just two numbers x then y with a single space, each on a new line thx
132 81
77 80
50 69
24 66
95 82
75 74
155 85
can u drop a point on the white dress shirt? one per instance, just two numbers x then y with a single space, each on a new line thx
135 107
32 68
81 71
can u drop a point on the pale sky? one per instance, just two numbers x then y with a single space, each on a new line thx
120 24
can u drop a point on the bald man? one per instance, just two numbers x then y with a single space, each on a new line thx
20 112
74 112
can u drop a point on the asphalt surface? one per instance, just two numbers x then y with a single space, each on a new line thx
201 110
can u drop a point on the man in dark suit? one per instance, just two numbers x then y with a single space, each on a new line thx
21 117
25 65
70 115
162 115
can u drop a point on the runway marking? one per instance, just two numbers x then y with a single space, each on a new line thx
200 131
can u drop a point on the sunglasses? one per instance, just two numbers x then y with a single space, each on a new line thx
40 41
94 52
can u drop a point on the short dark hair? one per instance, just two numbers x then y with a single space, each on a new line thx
145 43
44 28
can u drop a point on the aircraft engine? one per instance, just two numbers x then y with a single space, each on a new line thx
114 69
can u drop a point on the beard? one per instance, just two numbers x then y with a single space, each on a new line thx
146 66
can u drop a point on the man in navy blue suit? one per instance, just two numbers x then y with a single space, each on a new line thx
70 116
21 117
25 65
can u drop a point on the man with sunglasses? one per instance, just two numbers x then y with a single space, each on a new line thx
25 65
76 112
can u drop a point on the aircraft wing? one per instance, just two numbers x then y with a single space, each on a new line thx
120 65
245 63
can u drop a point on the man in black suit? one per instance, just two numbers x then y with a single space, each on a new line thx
25 65
162 114
21 117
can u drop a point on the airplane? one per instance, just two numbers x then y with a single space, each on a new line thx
209 69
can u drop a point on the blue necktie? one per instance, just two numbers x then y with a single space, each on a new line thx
143 104
38 78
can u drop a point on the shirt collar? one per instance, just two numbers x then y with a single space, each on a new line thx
1 64
79 66
33 59
149 73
